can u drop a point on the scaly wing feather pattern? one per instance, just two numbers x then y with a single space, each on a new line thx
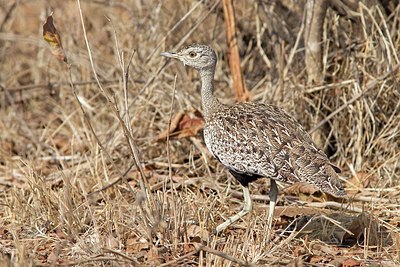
258 140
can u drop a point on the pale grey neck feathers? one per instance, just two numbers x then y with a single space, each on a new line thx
209 102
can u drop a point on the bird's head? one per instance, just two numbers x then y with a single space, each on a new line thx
196 56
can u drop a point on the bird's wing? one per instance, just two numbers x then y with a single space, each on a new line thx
261 140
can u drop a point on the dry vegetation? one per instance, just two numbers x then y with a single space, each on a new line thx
55 164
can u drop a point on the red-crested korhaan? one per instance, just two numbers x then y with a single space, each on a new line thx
256 140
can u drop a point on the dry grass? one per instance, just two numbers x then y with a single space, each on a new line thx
53 165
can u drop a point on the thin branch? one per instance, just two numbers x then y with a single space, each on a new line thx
132 260
241 93
8 14
58 84
370 86
315 16
132 145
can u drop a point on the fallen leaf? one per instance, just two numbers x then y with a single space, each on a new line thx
316 260
174 125
190 126
53 38
197 234
4 233
350 263
320 248
134 245
62 143
299 251
7 146
303 190
183 125
188 248
307 192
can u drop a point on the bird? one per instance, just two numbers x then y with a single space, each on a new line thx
257 140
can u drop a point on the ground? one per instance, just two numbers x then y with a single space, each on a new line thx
90 176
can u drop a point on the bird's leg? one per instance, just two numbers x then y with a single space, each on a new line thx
273 194
247 207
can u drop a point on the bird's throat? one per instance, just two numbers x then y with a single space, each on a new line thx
209 102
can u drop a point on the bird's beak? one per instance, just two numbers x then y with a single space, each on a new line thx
169 54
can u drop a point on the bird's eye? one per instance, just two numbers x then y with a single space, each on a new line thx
192 54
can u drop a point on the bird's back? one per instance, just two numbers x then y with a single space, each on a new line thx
258 140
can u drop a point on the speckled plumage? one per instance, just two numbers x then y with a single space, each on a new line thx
255 140
263 140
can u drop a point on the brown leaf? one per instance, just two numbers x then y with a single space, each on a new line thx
52 37
174 125
4 233
307 192
183 125
318 259
322 249
190 126
62 143
61 235
350 263
7 146
188 248
134 245
302 190
197 234
299 251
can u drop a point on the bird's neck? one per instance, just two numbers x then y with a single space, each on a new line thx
209 101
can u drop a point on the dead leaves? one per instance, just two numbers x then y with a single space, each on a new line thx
53 38
307 192
135 244
294 211
197 234
360 181
144 250
183 125
303 190
317 253
344 229
155 252
351 263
